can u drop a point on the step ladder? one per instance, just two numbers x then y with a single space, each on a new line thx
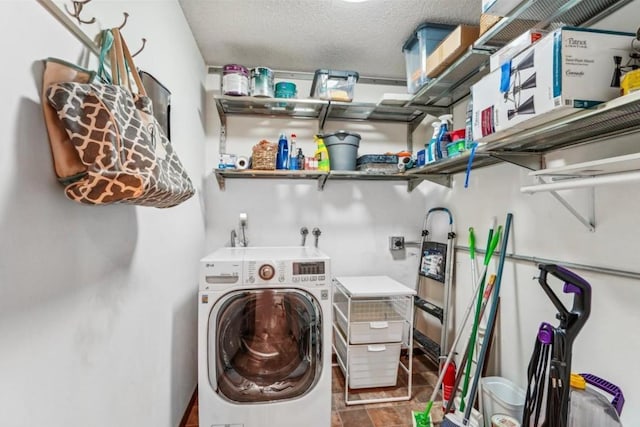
434 270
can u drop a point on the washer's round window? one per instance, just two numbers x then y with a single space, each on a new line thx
267 345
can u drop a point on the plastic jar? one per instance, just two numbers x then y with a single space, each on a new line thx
286 90
235 80
262 82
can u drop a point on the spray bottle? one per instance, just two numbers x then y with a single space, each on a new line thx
322 154
446 121
430 153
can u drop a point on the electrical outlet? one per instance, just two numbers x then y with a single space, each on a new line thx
396 243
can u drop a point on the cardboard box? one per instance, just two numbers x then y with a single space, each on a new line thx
487 21
566 70
499 7
514 47
451 49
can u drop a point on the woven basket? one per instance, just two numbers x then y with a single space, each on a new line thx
264 156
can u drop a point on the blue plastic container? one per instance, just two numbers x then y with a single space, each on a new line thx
424 40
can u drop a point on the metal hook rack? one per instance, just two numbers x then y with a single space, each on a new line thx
74 29
77 10
126 17
144 43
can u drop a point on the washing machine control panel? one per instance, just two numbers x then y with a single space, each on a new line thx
287 272
217 274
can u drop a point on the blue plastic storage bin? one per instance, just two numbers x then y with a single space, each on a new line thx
424 40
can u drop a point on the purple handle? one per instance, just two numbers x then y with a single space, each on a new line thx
571 289
545 333
604 385
570 275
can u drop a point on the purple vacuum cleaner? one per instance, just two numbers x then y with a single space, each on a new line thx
552 351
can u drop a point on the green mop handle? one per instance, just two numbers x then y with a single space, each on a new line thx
472 243
495 238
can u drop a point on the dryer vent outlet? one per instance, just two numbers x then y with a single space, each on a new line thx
396 243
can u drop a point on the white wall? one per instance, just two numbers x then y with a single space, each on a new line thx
97 304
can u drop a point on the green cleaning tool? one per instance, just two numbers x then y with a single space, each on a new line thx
423 419
474 334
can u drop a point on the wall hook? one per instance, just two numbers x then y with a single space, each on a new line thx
77 10
126 16
144 42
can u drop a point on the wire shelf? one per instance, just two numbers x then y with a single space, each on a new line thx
616 117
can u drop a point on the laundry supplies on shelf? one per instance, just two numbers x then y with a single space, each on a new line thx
282 159
235 80
431 147
321 154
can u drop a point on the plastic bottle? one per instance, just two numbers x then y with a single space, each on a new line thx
322 154
443 136
300 159
468 125
430 149
293 157
282 158
448 383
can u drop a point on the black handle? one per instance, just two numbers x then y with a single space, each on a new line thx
571 321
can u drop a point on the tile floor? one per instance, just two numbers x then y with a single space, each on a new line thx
387 414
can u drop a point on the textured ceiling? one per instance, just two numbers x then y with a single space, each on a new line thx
304 35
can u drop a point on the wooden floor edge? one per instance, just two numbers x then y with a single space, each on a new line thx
192 402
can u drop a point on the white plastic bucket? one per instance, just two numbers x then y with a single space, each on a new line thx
457 420
501 396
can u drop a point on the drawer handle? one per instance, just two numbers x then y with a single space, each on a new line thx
378 325
373 348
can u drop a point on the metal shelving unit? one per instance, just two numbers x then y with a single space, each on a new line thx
412 180
455 82
524 147
322 111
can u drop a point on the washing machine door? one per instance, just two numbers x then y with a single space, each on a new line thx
267 345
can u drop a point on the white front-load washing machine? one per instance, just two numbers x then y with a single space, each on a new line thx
264 338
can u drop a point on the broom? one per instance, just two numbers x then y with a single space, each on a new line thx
423 419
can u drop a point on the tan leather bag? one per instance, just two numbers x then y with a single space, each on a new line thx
111 126
66 161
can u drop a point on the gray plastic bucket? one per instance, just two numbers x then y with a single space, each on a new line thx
343 149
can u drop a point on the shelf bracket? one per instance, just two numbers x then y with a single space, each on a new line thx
589 221
322 116
221 181
410 128
531 161
322 179
413 183
223 127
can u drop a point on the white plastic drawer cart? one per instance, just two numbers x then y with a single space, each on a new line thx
372 322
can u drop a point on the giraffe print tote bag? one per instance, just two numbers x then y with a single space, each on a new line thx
128 158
